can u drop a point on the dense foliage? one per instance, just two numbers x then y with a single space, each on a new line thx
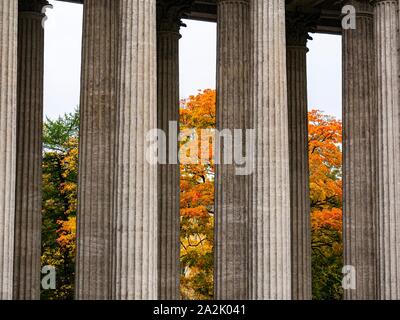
60 170
60 166
325 138
197 200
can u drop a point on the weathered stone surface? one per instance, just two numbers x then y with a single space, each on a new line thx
270 252
168 21
359 153
386 22
329 17
297 36
97 142
136 219
28 197
232 190
8 107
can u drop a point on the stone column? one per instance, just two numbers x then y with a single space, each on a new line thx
297 36
8 107
359 153
168 25
232 190
388 160
270 266
136 221
96 158
28 196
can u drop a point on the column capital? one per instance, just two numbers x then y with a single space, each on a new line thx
32 5
170 13
233 1
375 2
298 27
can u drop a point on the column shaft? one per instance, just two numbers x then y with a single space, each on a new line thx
136 221
232 191
359 153
8 106
388 159
299 167
168 174
96 158
270 266
28 197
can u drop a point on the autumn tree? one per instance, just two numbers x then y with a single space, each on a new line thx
197 197
197 203
325 138
60 170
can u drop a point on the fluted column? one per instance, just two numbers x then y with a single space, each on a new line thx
28 196
297 36
96 158
136 221
359 153
388 160
8 106
270 266
168 25
232 190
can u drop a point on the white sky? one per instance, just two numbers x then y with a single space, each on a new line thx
197 62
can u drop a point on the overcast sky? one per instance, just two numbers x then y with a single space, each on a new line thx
197 62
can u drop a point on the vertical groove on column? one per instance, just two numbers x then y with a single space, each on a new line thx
388 161
28 208
359 154
233 112
270 266
135 259
168 174
8 106
299 166
96 158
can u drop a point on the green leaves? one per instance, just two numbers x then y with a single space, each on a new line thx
197 205
325 138
57 133
60 174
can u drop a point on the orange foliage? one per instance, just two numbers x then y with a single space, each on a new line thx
199 111
325 138
67 234
197 197
328 218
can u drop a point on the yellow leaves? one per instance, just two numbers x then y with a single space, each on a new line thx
197 197
325 160
67 234
196 243
198 212
331 218
70 159
325 138
60 169
199 110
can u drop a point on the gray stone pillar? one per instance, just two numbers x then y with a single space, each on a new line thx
297 36
359 153
168 25
96 158
232 191
28 195
270 266
8 107
136 221
388 159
